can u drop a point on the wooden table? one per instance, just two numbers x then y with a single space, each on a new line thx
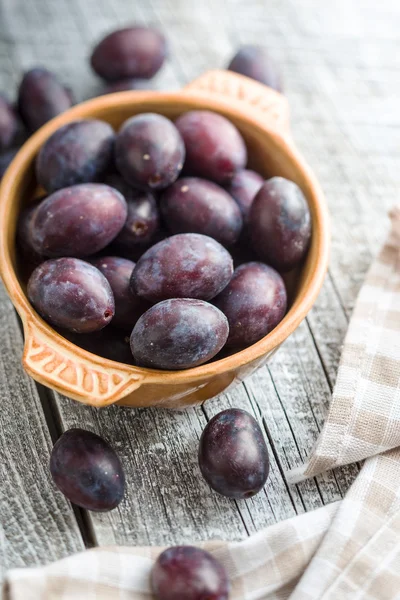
340 61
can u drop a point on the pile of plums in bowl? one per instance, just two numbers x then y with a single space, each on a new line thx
136 236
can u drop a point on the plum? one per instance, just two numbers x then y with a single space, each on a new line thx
187 265
71 294
87 470
194 205
243 188
78 220
149 151
214 147
143 220
128 306
190 573
254 302
41 97
136 52
78 152
179 333
255 62
24 234
280 224
233 455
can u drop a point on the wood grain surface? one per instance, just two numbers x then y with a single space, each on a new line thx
37 525
342 81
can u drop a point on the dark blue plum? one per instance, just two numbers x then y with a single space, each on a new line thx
178 334
136 52
279 224
128 306
233 456
79 152
149 151
214 147
41 97
243 188
188 265
254 302
87 470
71 294
24 235
78 221
189 573
194 205
143 220
256 62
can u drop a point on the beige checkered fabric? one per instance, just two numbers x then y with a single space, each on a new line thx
359 557
364 415
266 565
347 550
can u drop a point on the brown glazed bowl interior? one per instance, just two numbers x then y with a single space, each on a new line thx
261 114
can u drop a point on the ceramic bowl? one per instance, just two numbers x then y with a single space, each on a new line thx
261 114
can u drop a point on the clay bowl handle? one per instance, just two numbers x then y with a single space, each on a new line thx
53 361
268 105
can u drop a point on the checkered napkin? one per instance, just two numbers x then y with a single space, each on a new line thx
347 550
364 414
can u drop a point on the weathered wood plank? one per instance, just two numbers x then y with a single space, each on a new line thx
37 525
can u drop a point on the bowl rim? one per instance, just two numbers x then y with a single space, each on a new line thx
318 257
